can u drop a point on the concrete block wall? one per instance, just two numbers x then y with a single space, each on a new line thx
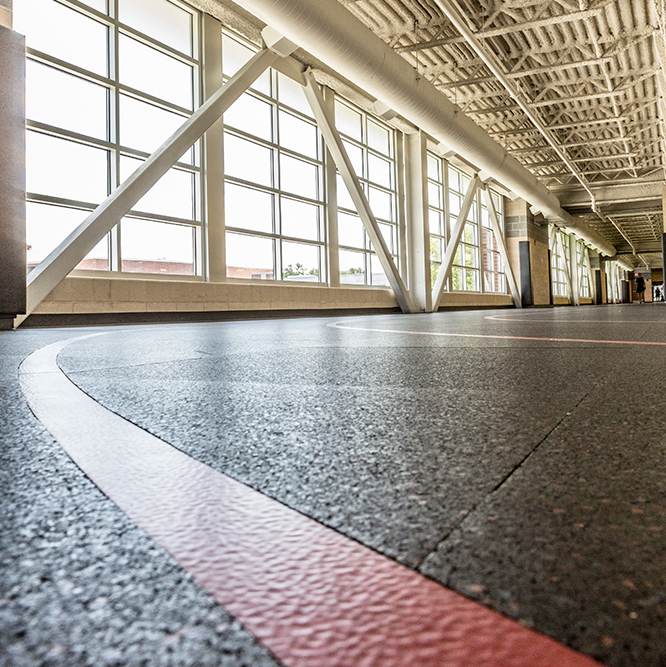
94 295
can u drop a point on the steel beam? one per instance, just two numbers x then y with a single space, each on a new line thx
494 221
326 124
452 245
58 264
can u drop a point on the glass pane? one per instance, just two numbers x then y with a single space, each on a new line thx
378 275
434 272
379 170
455 203
456 278
160 20
469 234
300 262
234 56
379 138
433 168
249 257
65 101
251 115
297 135
454 179
62 32
48 226
470 256
247 160
348 121
291 94
146 127
99 5
344 198
352 271
299 219
458 256
298 177
434 195
156 247
389 236
172 195
355 154
485 217
435 249
155 73
472 280
350 230
382 204
435 222
65 169
247 208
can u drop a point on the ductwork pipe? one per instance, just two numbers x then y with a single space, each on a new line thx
332 34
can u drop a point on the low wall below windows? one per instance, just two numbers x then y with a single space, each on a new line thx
105 296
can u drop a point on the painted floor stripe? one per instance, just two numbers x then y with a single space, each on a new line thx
312 596
522 320
337 325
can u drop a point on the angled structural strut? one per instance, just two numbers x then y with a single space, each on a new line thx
452 245
58 264
494 221
341 158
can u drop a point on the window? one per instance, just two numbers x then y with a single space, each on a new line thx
90 125
466 261
559 276
370 145
273 165
494 279
436 213
583 269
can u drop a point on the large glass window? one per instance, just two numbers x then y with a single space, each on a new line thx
558 266
466 261
106 84
370 145
494 279
273 165
583 269
436 213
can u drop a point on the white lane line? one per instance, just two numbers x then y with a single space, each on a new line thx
338 325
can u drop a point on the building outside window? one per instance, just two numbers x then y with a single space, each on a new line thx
274 191
103 91
371 148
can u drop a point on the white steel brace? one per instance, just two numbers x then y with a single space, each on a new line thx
452 245
494 221
337 150
58 264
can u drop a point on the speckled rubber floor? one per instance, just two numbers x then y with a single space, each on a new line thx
526 474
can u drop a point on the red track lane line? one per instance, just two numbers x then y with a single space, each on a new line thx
337 325
312 596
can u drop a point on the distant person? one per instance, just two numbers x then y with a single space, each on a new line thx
640 288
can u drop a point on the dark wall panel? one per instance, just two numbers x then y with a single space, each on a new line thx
12 174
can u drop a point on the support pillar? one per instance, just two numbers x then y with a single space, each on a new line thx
12 176
527 246
418 239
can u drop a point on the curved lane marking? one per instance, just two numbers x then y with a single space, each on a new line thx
557 321
338 325
312 596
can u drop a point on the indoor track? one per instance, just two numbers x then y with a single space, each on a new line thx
516 457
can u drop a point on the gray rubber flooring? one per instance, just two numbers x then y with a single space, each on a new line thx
527 474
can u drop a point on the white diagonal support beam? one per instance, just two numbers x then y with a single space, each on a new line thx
58 264
494 221
326 124
452 245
